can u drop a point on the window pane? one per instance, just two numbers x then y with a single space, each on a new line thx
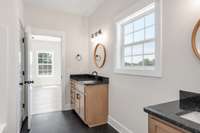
45 67
48 73
139 24
40 55
150 20
49 55
150 33
138 49
128 39
149 48
139 36
49 60
40 67
40 60
137 60
45 55
44 63
128 51
149 60
128 28
127 61
49 67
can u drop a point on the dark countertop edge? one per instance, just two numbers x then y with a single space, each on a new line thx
163 117
100 79
75 75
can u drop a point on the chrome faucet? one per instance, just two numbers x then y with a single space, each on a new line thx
95 73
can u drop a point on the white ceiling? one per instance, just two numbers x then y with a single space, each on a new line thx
81 7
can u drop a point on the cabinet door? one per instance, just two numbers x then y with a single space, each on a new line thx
156 126
96 104
77 102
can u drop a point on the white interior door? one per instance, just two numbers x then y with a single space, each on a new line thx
46 72
28 77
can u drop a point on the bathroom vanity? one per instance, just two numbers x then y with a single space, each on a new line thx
89 98
181 116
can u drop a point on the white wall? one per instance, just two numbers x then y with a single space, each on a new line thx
3 85
181 69
76 30
11 13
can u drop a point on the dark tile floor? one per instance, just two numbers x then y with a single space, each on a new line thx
63 122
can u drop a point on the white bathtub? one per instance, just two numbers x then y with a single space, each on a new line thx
2 128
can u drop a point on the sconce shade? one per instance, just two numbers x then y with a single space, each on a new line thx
97 37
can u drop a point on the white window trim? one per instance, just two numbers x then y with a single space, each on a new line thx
144 71
37 68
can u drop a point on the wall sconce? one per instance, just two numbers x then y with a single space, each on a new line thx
78 57
97 37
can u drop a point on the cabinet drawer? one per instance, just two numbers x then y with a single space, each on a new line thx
81 88
73 84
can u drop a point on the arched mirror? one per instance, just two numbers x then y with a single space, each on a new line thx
196 39
99 55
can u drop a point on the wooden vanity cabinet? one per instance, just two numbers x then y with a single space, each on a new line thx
90 102
159 126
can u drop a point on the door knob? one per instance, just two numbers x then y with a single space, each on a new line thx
28 82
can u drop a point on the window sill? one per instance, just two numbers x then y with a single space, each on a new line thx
142 73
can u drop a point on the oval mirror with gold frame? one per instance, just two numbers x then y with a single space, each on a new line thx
99 55
196 39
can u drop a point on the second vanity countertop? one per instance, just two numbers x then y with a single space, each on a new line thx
88 79
170 112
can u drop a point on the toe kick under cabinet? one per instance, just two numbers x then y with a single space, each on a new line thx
90 102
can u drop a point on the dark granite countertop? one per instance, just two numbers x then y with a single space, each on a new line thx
170 112
88 79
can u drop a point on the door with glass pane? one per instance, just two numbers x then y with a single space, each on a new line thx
46 93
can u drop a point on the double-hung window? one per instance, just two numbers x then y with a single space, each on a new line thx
138 39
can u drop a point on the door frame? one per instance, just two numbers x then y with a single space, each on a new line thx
23 114
62 35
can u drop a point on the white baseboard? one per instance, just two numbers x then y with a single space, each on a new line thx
118 126
67 107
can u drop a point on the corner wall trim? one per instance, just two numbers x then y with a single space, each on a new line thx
118 126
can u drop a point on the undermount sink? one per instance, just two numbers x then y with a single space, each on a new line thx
193 116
